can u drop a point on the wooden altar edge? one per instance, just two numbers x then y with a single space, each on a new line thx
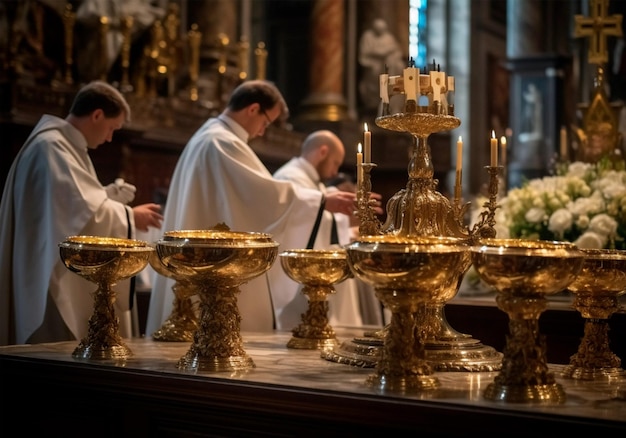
75 397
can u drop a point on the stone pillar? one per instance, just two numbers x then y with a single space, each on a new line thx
326 101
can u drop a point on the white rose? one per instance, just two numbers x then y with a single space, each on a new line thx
560 221
603 224
535 215
590 240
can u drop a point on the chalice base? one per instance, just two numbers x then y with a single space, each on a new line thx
193 361
547 393
402 384
362 352
103 351
323 344
582 373
460 353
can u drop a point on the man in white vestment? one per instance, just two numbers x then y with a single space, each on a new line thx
52 192
321 156
219 179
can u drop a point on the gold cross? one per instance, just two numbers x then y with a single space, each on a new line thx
598 27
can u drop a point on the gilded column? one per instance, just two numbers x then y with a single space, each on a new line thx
326 99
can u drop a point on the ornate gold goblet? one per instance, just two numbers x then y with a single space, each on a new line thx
104 261
406 272
318 271
597 287
182 322
523 272
217 263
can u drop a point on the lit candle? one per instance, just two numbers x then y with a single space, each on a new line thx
563 143
494 149
359 165
503 150
367 141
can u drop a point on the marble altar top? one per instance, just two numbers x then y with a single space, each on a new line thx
277 365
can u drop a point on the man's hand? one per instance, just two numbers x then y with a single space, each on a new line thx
345 202
147 215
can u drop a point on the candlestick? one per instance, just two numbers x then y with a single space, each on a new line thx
367 141
563 143
459 171
359 165
503 150
494 149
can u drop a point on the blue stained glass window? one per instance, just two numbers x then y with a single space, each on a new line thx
417 32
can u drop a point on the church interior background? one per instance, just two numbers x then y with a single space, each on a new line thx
525 70
177 61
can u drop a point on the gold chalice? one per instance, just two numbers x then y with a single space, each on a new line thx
597 287
406 272
217 263
182 322
104 261
318 271
523 272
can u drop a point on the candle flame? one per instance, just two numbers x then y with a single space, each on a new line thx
503 140
460 139
365 127
493 134
359 148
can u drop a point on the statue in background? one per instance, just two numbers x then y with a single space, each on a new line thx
379 51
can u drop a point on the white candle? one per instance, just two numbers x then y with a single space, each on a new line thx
503 150
410 81
367 141
459 153
384 87
359 165
494 149
563 143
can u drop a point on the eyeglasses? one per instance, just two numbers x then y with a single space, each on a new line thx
269 121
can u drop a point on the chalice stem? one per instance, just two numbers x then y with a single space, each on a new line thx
103 323
218 335
594 351
403 350
524 361
314 323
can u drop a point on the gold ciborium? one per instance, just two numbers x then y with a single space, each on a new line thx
182 322
523 272
217 263
597 287
104 261
318 271
406 272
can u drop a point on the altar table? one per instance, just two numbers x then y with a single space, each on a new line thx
289 393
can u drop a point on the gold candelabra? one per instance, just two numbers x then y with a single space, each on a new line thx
419 210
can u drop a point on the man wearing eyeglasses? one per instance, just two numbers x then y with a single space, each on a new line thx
219 179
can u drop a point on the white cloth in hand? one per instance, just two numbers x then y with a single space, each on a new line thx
121 191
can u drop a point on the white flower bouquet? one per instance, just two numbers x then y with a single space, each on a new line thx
582 203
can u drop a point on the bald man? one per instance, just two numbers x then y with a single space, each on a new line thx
321 155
